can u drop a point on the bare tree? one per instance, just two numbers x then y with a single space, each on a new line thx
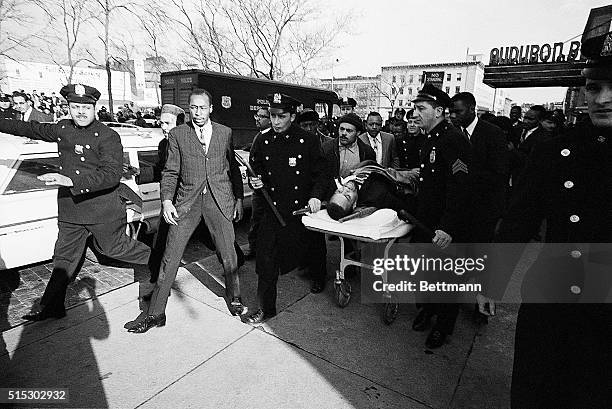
68 18
109 8
273 39
389 90
155 24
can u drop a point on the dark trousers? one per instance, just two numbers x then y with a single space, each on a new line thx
222 232
109 238
273 258
562 356
158 246
258 204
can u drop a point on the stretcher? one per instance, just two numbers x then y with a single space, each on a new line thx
382 227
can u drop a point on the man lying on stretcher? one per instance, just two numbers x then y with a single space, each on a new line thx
372 186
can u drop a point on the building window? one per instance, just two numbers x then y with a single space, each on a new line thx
40 74
458 76
411 79
392 90
448 77
457 90
17 71
393 79
401 90
401 102
448 90
403 79
410 91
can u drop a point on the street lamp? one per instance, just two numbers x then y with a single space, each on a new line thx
332 69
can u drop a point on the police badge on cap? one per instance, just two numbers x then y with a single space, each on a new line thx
283 102
79 93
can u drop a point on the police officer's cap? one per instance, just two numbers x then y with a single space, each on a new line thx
172 109
5 98
347 101
282 102
598 51
79 93
307 115
430 93
352 119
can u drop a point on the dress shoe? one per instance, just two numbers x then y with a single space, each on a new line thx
317 286
135 321
236 307
258 317
422 320
149 322
44 314
435 339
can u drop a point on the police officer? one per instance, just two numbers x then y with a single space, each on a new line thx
291 166
562 355
443 198
6 111
347 105
90 168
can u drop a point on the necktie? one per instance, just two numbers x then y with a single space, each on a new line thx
467 134
200 134
523 135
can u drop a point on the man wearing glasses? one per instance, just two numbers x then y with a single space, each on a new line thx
262 121
201 180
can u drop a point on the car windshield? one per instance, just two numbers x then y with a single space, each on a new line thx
26 177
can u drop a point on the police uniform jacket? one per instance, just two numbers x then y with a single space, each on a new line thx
92 158
9 113
409 149
567 182
444 196
292 168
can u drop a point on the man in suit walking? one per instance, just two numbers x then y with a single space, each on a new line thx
201 163
23 105
525 139
489 168
383 143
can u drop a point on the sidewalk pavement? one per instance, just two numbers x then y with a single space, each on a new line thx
313 354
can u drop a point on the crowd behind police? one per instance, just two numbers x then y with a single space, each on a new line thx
465 168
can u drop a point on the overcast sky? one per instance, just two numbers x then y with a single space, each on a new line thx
408 31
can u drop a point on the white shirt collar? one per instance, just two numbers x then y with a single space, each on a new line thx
470 128
26 114
377 138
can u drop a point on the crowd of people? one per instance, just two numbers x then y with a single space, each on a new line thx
458 177
35 106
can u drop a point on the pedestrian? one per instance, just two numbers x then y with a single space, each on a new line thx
443 199
90 168
262 121
22 103
383 143
6 110
201 179
562 349
171 117
290 164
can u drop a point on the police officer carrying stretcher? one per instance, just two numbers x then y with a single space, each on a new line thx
88 201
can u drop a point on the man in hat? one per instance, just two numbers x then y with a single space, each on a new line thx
90 168
443 199
308 120
347 105
201 180
290 165
562 345
345 153
6 111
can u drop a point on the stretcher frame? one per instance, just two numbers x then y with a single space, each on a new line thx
343 288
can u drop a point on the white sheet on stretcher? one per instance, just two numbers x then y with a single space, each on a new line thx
381 224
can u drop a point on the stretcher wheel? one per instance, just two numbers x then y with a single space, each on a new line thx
390 312
343 292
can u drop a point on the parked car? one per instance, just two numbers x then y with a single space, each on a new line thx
28 207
